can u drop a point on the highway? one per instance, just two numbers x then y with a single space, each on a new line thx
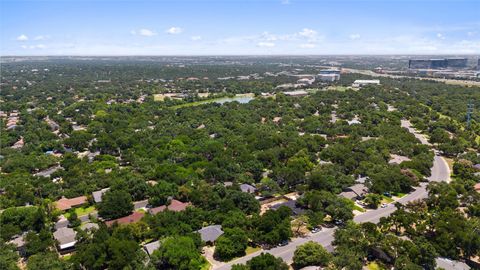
440 172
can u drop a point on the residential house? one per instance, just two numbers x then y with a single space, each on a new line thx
210 233
89 226
448 264
151 247
65 204
62 222
65 238
356 191
19 243
175 205
247 188
132 218
140 205
97 195
292 204
156 210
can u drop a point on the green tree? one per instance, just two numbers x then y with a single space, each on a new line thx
373 200
178 253
115 204
46 260
8 257
266 261
311 253
231 244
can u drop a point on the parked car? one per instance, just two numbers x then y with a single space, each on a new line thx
316 229
283 243
384 205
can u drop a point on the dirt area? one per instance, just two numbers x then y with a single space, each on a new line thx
265 207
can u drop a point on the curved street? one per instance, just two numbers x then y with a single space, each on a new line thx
439 172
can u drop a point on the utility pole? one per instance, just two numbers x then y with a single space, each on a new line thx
469 113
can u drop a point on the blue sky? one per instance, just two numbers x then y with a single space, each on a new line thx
198 27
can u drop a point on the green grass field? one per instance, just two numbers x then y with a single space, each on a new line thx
82 211
358 208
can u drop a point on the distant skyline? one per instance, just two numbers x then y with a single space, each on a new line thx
231 27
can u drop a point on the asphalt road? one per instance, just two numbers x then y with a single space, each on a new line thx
440 172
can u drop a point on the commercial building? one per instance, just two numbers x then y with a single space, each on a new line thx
419 64
457 62
328 77
437 63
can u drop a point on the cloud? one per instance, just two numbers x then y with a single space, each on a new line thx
41 37
440 36
308 33
144 32
32 47
471 33
174 30
266 44
196 38
354 36
22 37
308 46
285 2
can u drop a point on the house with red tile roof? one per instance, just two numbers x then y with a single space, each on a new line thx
65 204
156 210
132 218
175 205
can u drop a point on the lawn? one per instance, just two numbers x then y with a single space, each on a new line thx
251 250
374 266
386 199
206 266
358 208
81 211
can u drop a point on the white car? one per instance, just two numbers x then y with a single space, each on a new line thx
384 205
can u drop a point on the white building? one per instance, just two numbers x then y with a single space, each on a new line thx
361 83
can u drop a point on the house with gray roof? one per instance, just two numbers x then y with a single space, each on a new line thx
19 243
210 233
65 237
151 247
247 188
97 195
140 205
62 222
354 192
89 226
448 264
292 204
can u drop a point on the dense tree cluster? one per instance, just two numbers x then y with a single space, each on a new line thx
109 132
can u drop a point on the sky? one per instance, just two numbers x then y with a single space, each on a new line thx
234 27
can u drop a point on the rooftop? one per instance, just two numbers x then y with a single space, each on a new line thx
65 204
97 195
210 233
132 218
151 247
65 237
